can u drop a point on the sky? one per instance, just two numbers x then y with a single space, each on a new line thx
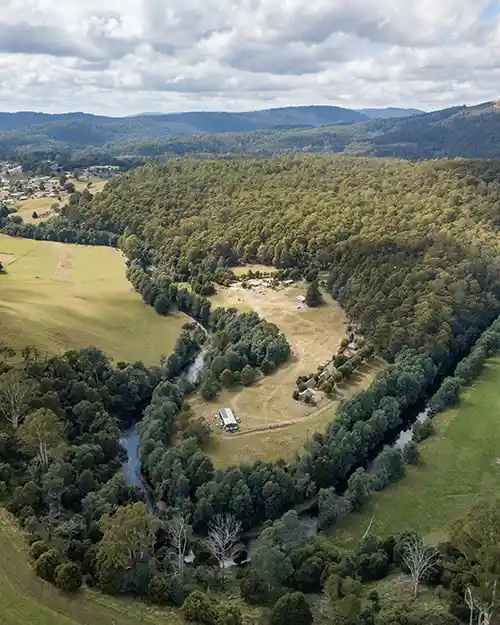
120 57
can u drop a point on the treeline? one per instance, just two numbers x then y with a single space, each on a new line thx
468 369
410 248
57 229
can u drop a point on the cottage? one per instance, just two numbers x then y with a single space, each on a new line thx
228 420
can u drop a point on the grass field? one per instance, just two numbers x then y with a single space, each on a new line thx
58 296
239 271
273 425
27 600
457 469
42 206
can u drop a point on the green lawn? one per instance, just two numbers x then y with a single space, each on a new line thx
58 296
457 469
25 599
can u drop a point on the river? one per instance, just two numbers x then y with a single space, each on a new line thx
132 467
196 367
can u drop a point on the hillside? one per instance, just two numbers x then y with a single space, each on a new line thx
421 225
464 132
42 131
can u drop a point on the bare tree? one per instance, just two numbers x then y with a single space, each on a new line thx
484 610
177 532
223 538
15 394
420 559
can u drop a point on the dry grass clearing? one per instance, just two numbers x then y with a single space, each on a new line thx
97 184
273 425
58 296
41 205
240 271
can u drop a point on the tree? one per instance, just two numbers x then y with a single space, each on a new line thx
2 270
359 488
228 613
128 539
313 295
227 378
248 375
223 536
411 453
331 507
69 187
47 563
447 395
209 387
420 559
177 532
40 433
68 577
162 304
199 608
292 608
15 394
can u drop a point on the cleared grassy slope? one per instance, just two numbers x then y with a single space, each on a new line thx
457 469
58 296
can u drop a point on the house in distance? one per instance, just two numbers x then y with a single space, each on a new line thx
227 419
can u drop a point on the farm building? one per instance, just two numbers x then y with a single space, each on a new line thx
228 420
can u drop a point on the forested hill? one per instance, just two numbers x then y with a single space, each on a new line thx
465 132
411 248
42 131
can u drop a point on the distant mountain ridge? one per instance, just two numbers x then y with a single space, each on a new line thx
390 111
79 130
460 131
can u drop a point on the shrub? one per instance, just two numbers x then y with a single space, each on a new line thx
292 608
199 608
46 564
37 548
68 577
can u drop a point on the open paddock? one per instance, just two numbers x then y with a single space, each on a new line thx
241 271
274 425
43 206
58 296
458 468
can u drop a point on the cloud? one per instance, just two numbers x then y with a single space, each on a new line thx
124 56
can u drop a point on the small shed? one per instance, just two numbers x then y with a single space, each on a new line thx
228 420
301 299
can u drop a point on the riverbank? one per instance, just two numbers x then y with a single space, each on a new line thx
458 468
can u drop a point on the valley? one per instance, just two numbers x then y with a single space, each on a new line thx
371 280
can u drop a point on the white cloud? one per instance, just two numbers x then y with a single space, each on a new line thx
124 56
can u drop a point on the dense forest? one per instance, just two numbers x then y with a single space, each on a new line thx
410 249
